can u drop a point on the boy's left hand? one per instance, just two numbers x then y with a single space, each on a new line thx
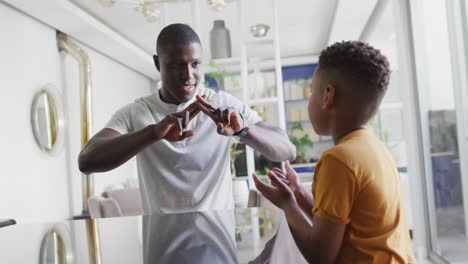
278 192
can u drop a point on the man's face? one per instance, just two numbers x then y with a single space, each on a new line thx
317 114
181 71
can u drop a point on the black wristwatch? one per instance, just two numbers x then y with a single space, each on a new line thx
244 131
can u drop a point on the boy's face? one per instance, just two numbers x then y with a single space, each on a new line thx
318 115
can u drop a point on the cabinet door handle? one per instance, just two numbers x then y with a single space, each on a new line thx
6 222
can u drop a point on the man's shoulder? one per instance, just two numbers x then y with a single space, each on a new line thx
142 103
139 104
145 99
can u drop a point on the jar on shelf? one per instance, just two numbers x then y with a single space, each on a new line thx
306 92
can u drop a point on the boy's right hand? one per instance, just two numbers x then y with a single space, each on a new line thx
173 127
291 179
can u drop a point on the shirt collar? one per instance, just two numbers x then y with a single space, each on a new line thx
353 134
172 108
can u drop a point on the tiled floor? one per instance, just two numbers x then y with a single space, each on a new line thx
451 233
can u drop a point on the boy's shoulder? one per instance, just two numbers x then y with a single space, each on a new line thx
343 152
357 151
338 157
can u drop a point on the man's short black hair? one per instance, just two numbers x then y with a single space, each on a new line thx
176 34
366 67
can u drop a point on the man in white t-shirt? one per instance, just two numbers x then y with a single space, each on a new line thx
182 154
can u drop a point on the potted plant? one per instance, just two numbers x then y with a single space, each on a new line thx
301 142
234 153
217 75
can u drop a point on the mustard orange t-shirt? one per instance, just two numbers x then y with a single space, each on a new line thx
356 183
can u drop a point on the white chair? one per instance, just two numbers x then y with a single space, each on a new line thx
240 191
115 203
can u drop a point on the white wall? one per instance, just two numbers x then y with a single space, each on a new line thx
15 249
113 86
116 246
37 186
33 184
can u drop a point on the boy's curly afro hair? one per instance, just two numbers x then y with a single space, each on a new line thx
363 63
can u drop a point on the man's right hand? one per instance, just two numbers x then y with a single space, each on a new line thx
173 127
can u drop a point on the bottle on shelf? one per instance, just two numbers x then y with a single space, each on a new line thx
220 40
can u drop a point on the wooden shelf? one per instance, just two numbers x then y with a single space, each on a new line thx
303 122
295 101
227 61
262 41
266 63
260 101
233 65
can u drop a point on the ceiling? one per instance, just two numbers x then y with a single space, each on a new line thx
305 27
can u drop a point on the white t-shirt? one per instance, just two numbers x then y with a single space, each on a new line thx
194 237
189 175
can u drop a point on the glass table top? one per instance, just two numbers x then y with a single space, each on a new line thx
247 235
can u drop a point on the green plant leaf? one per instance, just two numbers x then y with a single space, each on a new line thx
297 126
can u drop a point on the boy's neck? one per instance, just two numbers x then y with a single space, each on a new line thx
339 132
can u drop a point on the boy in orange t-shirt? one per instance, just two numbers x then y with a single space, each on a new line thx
356 205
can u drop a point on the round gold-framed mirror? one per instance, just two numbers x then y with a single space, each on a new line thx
56 247
46 118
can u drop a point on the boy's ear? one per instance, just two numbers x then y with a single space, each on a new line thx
156 61
329 99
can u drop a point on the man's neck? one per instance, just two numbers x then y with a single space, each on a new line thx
166 98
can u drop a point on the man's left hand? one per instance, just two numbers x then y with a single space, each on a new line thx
279 193
228 120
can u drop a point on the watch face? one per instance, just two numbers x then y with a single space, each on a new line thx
244 132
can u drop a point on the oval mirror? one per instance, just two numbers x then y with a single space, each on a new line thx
45 120
56 247
54 250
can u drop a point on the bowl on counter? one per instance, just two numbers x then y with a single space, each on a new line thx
259 30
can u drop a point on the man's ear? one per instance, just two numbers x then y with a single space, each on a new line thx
156 62
329 99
